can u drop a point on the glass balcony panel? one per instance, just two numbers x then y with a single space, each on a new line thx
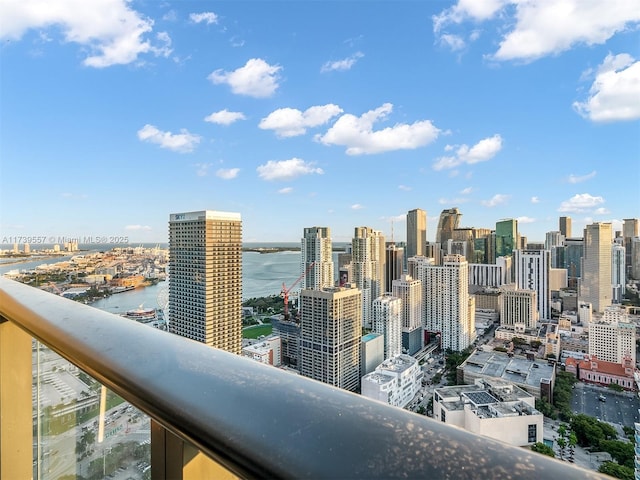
81 429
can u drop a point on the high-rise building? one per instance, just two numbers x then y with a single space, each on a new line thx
416 232
518 307
635 258
331 331
533 271
595 284
368 267
409 291
387 321
618 273
573 252
553 239
394 265
316 250
289 333
630 230
449 221
506 237
205 285
564 226
613 337
449 309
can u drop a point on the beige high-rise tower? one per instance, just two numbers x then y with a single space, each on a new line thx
416 232
595 284
205 278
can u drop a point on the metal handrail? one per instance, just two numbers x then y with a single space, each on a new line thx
256 420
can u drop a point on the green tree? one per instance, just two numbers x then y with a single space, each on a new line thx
617 471
622 452
543 449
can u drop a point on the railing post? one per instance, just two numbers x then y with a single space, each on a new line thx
174 459
16 432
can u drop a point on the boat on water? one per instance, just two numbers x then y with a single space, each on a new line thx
149 316
122 289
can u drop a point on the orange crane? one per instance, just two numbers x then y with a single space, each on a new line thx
285 291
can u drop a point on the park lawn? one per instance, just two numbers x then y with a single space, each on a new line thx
256 330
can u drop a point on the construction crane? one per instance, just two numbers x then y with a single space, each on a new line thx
285 291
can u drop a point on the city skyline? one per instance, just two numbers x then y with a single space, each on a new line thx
111 122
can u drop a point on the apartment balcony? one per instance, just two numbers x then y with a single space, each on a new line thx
213 414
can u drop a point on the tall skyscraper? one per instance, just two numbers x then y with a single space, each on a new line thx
316 249
630 230
533 271
387 321
506 237
394 265
618 273
449 309
331 330
553 239
416 232
205 283
449 221
635 258
573 252
409 291
595 284
564 226
368 267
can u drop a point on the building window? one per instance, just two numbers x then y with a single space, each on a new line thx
533 433
443 415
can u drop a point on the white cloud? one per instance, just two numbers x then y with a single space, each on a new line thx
203 169
356 206
357 134
526 220
482 151
224 117
137 227
602 211
342 65
404 188
285 190
291 122
182 142
497 199
454 42
227 173
535 200
581 178
580 203
466 191
287 169
207 17
109 30
535 29
256 79
614 94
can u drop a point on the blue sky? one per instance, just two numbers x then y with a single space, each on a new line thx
115 114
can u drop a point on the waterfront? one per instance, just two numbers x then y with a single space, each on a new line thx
262 275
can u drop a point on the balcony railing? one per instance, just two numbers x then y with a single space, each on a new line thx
253 420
